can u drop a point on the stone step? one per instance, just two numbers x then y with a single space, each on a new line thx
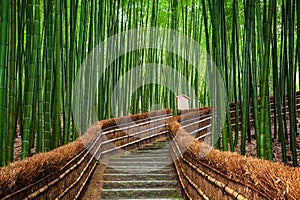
140 163
141 176
138 169
143 157
156 145
162 146
156 151
150 153
141 193
140 184
138 166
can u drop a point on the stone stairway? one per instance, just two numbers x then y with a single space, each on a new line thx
145 173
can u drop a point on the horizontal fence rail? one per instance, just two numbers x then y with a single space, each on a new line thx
198 123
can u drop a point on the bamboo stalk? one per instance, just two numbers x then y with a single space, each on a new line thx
12 84
4 28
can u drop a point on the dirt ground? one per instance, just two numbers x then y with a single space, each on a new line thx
251 148
18 148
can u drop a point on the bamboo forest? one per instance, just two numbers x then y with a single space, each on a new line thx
111 76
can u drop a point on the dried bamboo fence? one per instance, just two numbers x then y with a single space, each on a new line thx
64 172
206 173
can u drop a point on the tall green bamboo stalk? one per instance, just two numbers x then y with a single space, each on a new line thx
291 86
70 69
254 70
29 80
20 60
277 92
39 77
56 115
264 123
234 68
4 28
12 73
48 7
246 78
73 60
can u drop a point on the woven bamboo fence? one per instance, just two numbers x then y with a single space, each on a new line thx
206 173
63 173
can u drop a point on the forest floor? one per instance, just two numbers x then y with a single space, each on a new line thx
251 147
18 148
18 145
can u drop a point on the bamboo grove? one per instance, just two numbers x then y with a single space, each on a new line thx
254 44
